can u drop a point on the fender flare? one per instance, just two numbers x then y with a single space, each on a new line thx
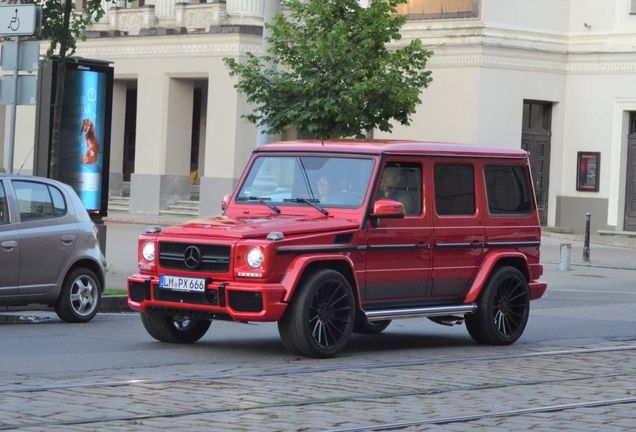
297 267
489 262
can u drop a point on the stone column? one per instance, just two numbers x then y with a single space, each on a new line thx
229 140
164 8
163 142
244 12
116 174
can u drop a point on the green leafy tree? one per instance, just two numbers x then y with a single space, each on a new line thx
329 72
62 25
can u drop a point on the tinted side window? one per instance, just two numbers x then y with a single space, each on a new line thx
507 190
454 189
34 200
4 210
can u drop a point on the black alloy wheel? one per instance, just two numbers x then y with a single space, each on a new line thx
502 309
174 329
319 320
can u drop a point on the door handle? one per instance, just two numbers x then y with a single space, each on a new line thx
9 245
68 239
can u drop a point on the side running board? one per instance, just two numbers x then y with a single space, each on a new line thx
421 312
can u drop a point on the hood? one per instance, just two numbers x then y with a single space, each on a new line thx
259 226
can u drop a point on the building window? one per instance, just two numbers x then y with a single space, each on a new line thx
440 9
536 115
632 7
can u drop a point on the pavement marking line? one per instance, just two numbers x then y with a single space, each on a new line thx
595 292
447 420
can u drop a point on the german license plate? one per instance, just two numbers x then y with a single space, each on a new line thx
178 283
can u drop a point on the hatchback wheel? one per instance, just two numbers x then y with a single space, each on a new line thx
80 297
502 309
174 329
319 319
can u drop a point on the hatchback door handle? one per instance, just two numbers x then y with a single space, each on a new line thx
68 239
9 245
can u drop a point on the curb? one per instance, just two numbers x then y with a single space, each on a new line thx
114 304
108 304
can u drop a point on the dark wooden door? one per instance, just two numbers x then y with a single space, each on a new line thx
538 144
630 186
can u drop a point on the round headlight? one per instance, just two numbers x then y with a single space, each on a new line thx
148 251
254 257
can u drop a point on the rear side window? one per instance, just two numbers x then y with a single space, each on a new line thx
4 211
59 205
38 201
507 190
454 189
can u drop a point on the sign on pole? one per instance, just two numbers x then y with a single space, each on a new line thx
29 60
19 20
27 86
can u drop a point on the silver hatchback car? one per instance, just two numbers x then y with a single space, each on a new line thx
49 248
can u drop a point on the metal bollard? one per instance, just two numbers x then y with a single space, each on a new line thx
586 244
566 256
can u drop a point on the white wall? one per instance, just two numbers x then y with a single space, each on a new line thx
547 15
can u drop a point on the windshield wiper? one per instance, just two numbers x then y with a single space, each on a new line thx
262 200
311 201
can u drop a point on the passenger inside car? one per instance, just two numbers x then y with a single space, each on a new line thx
391 187
326 188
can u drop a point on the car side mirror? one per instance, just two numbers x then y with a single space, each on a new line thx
386 209
226 201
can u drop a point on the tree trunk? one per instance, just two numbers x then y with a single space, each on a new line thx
59 92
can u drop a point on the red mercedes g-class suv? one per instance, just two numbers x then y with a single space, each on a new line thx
334 237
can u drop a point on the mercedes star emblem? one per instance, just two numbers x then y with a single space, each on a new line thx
192 257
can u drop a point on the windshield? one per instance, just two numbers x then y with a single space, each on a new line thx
327 181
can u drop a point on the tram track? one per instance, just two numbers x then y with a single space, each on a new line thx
379 397
473 417
304 371
386 426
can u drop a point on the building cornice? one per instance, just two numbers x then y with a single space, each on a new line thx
197 45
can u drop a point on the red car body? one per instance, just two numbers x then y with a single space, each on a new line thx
470 212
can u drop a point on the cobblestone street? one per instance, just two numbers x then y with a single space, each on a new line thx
572 388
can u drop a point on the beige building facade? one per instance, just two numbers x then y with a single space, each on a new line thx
557 77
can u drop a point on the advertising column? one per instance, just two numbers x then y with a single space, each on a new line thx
82 135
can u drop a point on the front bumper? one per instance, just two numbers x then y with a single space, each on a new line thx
239 301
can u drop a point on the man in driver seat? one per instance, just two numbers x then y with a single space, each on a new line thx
390 187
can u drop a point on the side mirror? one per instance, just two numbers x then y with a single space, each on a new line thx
226 201
386 209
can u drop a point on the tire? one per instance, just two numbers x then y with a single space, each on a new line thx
80 297
319 320
363 326
502 309
174 329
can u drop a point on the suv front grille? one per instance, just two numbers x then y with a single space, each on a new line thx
194 257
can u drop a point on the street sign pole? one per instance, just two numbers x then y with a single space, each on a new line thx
17 20
14 106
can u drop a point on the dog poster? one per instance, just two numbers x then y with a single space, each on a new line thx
81 134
